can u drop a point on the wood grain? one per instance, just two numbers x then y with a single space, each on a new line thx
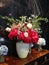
10 60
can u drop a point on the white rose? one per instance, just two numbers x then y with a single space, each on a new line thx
33 15
8 29
29 25
26 34
41 41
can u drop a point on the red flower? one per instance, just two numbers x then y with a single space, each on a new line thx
21 36
28 37
34 36
27 40
13 34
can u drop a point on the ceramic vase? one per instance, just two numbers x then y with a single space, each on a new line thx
22 49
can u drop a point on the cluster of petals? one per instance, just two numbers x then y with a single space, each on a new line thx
28 37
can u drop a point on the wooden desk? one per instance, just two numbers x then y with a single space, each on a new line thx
34 58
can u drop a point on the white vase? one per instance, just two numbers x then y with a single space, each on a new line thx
22 49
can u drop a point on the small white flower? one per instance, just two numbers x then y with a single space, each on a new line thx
29 25
33 15
26 34
41 41
8 29
29 17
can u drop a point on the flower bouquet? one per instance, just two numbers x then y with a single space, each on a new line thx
25 31
25 36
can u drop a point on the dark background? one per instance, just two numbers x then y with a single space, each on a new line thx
27 7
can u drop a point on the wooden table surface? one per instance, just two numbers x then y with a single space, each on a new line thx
10 60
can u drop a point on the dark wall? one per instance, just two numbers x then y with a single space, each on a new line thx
44 7
26 7
45 33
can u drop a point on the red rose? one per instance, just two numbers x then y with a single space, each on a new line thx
34 36
13 34
21 36
27 40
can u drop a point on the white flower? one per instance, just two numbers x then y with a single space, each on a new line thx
26 34
32 15
8 29
29 17
29 25
41 41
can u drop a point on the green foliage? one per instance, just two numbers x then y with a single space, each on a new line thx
23 18
35 20
9 20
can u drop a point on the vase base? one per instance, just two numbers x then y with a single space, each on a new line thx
2 59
